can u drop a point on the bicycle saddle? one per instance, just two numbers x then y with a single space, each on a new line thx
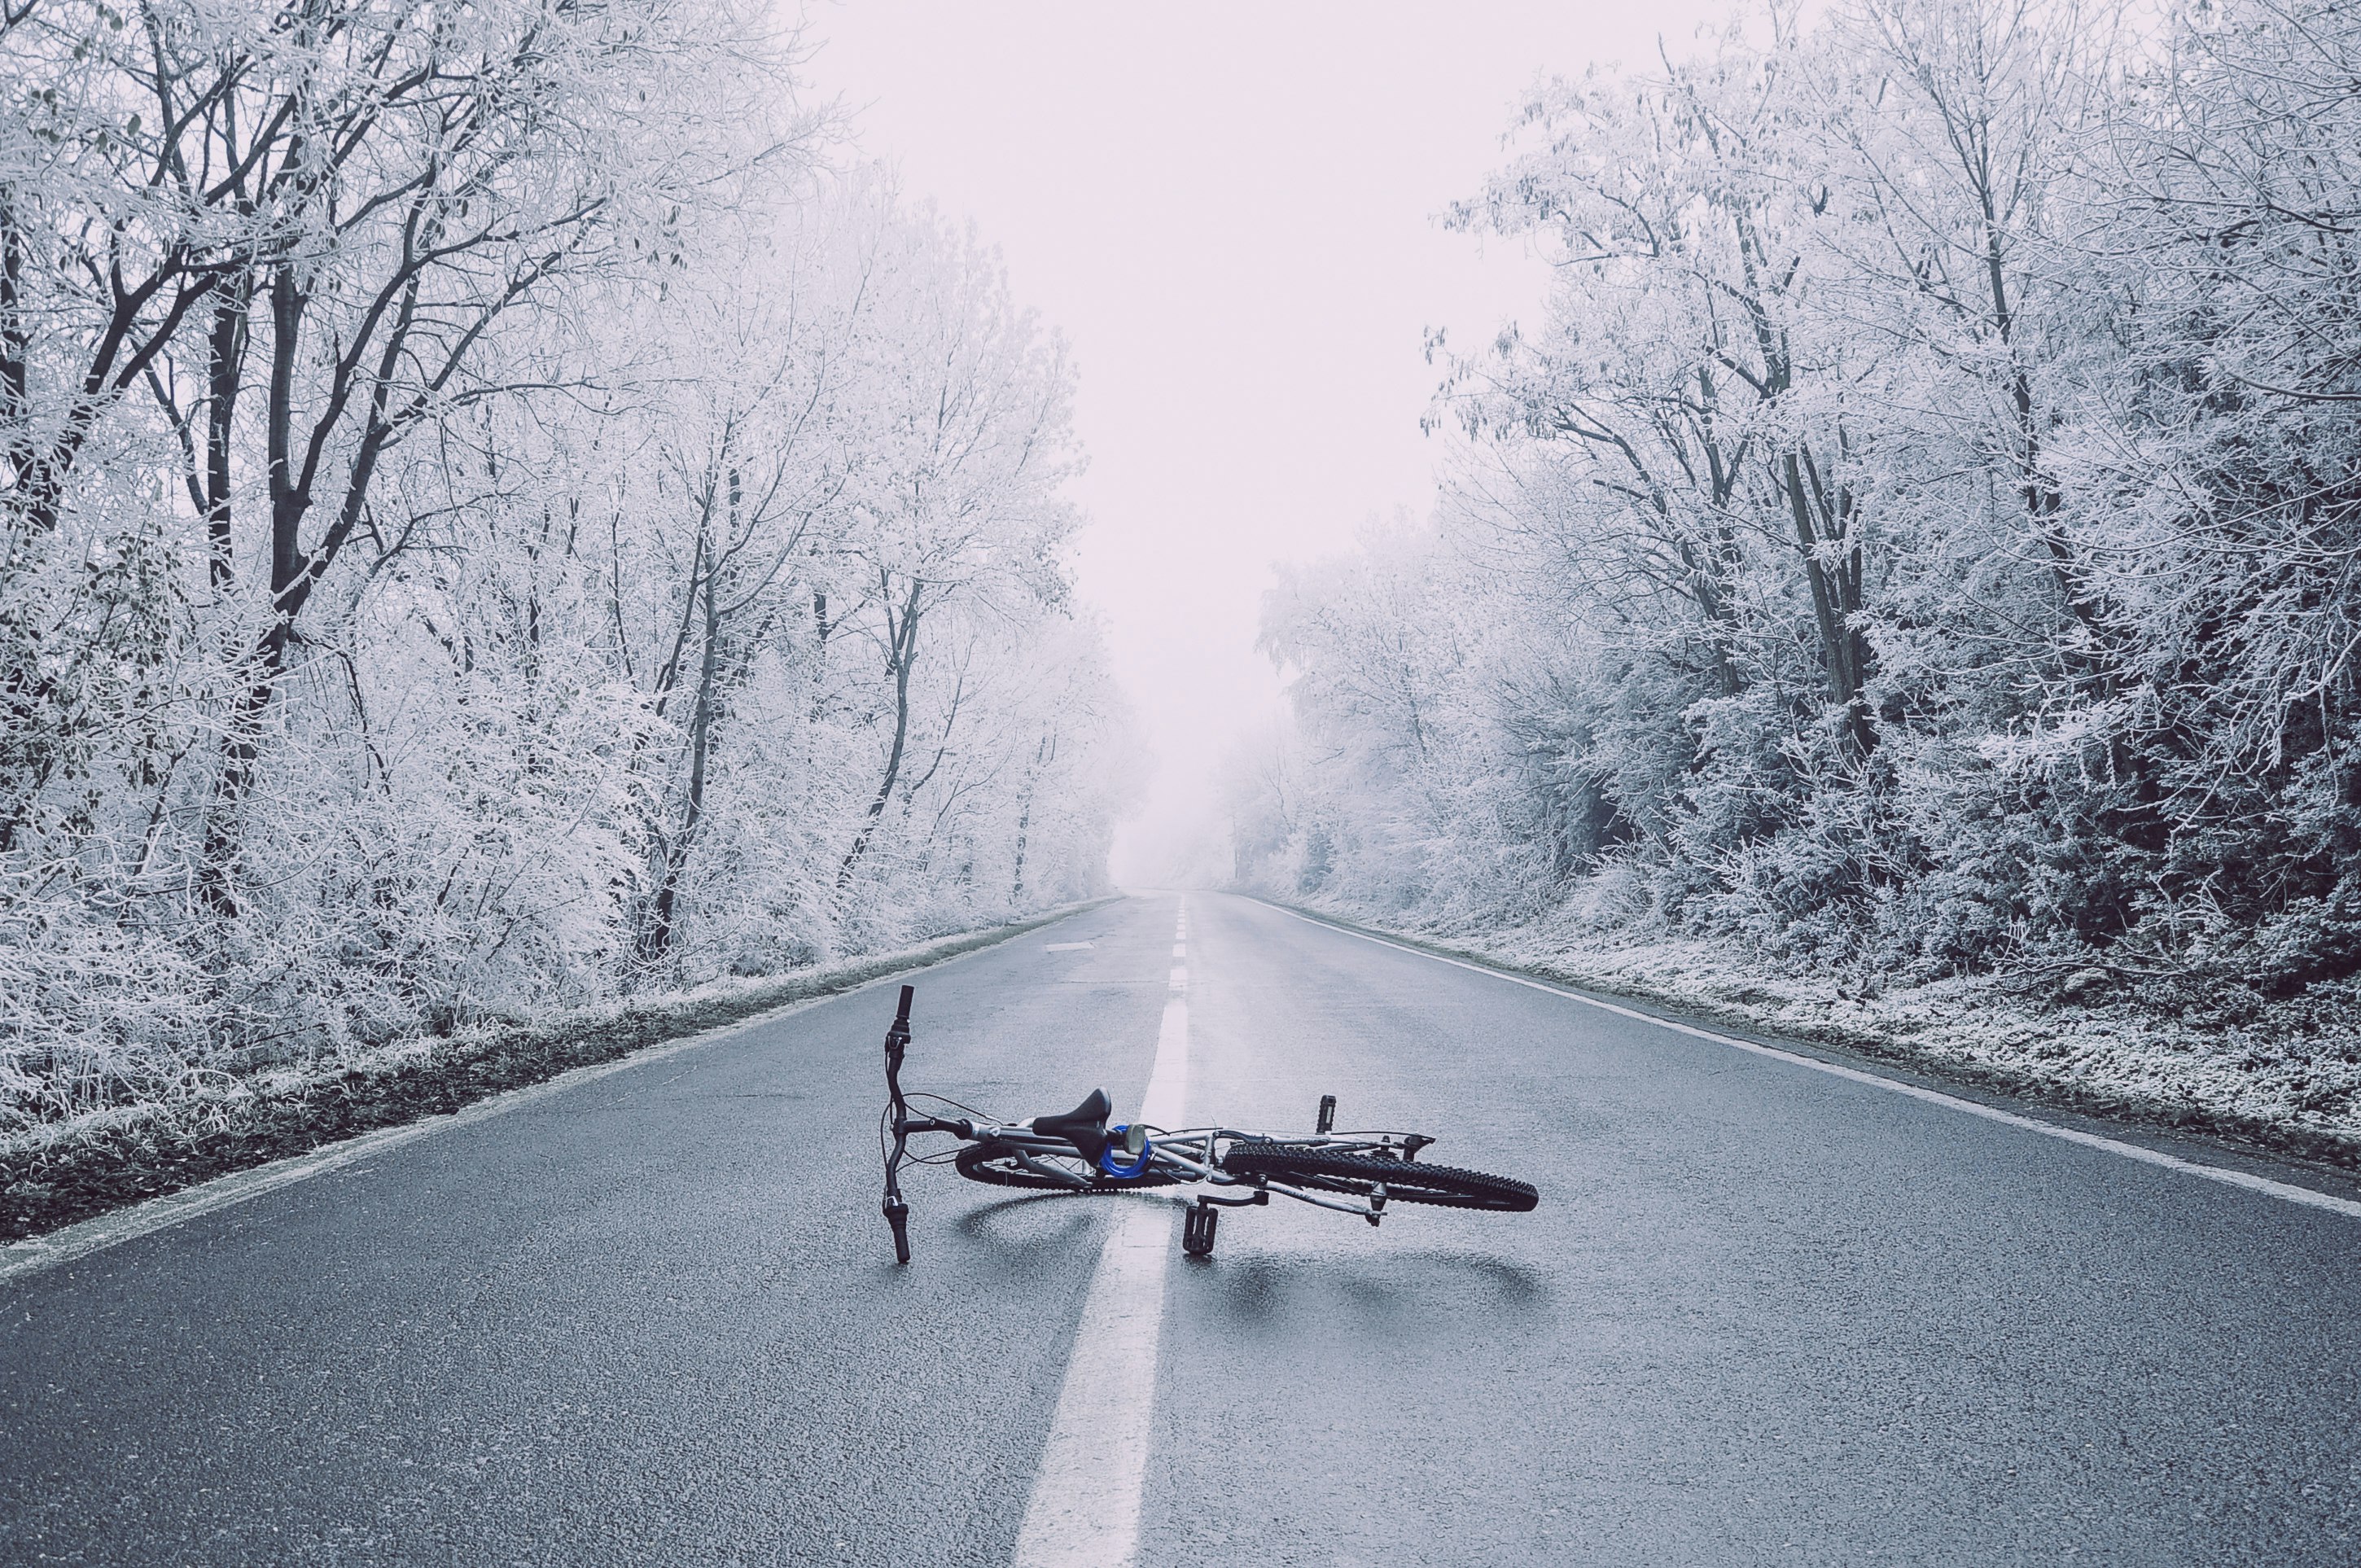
1084 1126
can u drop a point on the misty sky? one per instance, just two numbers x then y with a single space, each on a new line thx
1229 210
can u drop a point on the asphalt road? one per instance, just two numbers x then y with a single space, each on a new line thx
1764 1315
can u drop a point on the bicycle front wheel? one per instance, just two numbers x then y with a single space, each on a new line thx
1357 1174
1004 1165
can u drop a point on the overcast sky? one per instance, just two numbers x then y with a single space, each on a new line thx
1229 210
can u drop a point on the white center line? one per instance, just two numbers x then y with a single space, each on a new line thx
2222 1174
1085 1511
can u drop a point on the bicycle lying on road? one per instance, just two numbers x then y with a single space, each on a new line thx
1352 1172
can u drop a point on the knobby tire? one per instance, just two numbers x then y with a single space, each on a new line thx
1405 1182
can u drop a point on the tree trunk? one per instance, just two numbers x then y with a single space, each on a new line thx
1835 590
902 643
225 359
1024 825
655 939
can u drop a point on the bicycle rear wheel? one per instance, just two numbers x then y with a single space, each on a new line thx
1003 1164
1405 1182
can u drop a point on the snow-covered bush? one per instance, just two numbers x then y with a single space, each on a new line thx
489 522
1924 533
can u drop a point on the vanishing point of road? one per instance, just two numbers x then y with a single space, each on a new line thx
1765 1314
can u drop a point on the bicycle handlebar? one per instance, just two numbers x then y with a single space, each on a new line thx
898 1040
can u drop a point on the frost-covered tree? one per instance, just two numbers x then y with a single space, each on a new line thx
494 521
1921 530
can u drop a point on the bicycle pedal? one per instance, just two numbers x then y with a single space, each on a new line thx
1197 1229
1327 1114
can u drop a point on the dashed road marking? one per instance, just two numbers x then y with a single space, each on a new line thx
1084 1510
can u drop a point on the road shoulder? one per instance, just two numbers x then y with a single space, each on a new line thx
2295 1156
75 1194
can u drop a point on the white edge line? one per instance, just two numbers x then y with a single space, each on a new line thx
2224 1174
24 1258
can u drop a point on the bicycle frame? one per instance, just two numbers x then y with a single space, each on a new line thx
1190 1157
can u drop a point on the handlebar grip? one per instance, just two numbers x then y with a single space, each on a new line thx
898 1035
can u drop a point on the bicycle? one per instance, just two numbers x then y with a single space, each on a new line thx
1352 1172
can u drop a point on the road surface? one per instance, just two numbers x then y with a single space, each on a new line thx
1764 1315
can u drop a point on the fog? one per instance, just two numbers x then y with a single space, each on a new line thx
1230 211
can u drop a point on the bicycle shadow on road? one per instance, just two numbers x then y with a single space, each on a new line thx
1411 1294
1417 1289
1074 1235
